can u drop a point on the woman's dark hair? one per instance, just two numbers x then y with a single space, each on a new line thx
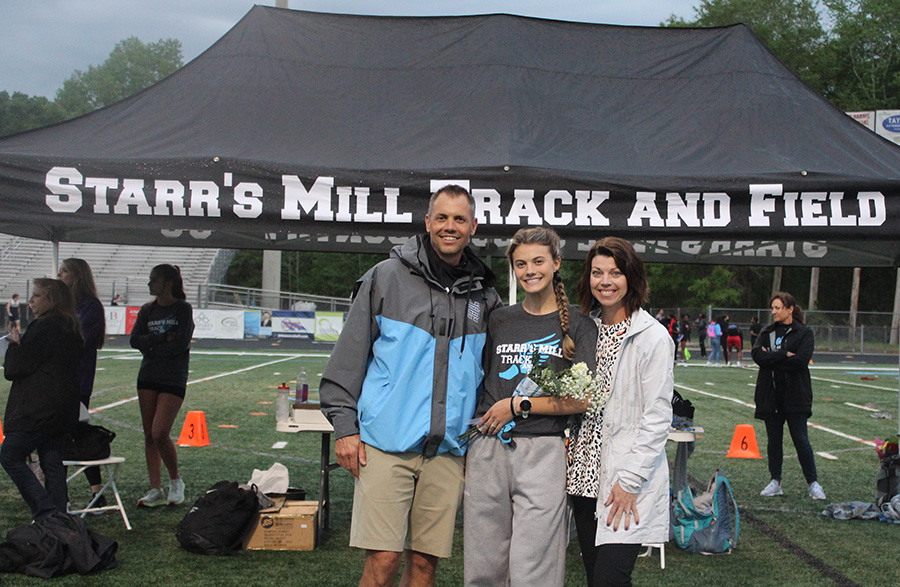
627 261
541 235
171 273
788 301
83 286
62 303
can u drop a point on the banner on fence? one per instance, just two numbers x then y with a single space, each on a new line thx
329 326
227 324
288 324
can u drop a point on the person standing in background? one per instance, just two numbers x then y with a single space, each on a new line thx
723 338
43 400
162 332
77 275
735 339
13 316
685 336
784 390
714 333
755 328
700 322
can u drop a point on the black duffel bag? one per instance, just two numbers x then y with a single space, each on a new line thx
218 520
88 442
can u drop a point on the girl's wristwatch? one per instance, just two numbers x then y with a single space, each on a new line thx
525 407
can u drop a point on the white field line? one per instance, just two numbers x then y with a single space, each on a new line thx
717 396
749 405
210 378
861 407
867 368
816 367
841 434
855 384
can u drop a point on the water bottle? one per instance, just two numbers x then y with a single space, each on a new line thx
283 403
301 395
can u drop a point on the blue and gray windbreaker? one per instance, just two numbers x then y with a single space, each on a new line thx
407 369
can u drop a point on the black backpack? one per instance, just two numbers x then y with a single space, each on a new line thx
218 520
887 482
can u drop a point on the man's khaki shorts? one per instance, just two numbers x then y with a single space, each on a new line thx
406 501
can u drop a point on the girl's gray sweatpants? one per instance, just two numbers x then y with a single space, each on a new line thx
515 512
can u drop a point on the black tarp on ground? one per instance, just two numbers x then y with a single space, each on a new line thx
319 131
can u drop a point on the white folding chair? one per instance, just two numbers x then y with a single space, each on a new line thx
111 465
662 553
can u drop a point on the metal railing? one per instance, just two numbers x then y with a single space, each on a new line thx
231 296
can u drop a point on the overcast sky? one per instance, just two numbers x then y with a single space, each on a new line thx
45 41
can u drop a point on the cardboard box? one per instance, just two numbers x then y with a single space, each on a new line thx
288 525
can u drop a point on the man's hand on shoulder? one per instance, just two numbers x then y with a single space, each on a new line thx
350 453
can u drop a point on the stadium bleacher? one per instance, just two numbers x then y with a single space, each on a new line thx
116 268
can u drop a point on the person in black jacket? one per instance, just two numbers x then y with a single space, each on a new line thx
784 390
43 399
78 277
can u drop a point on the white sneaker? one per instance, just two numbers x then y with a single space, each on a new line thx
154 498
774 488
816 491
176 491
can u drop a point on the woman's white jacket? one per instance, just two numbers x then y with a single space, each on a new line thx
636 423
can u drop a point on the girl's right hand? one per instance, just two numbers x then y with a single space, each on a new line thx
496 418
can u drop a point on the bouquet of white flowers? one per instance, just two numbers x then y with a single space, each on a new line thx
577 382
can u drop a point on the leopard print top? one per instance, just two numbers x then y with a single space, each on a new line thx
585 433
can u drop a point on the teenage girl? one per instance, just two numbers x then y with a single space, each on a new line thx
162 332
77 275
515 504
12 313
43 400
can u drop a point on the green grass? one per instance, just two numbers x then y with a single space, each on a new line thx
860 552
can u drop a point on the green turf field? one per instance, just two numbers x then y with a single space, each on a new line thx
783 540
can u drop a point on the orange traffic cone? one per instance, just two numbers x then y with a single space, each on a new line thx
1 432
194 433
743 443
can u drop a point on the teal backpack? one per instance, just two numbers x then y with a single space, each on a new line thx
708 523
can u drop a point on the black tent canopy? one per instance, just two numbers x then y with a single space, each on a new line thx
300 130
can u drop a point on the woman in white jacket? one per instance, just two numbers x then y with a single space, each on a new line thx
617 462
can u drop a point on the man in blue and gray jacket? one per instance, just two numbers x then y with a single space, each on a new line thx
401 387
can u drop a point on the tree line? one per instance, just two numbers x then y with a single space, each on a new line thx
131 66
846 50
